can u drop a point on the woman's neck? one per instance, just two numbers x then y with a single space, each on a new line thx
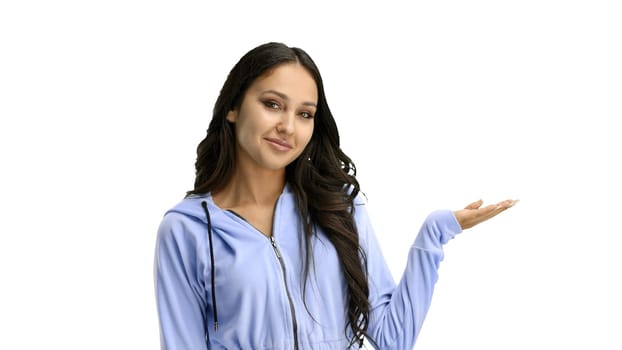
251 188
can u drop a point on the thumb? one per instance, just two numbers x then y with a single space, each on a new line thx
475 205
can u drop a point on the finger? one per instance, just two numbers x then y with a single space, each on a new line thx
490 211
495 209
508 203
474 205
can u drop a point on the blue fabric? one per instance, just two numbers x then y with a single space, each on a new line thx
253 293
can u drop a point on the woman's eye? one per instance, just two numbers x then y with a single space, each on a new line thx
272 105
306 115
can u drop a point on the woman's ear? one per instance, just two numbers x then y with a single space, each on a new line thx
232 116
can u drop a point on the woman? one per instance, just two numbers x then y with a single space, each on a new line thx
273 248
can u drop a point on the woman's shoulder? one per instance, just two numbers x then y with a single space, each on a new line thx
189 208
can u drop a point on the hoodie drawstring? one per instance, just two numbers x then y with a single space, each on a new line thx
211 254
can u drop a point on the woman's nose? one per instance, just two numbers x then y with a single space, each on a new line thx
287 122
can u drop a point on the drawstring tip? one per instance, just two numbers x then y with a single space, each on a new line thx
216 326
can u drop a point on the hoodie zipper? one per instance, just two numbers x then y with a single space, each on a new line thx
282 263
289 298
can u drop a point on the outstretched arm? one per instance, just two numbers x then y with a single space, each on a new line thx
398 312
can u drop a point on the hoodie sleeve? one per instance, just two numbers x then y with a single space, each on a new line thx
179 288
398 311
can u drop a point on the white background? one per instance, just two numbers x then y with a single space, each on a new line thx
439 103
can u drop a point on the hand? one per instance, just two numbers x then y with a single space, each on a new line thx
473 214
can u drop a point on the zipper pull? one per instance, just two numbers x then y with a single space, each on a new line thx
276 250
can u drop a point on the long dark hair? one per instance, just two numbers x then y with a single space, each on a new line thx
323 177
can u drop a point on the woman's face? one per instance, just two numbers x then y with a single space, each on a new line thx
275 121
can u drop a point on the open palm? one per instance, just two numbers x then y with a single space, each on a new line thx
474 213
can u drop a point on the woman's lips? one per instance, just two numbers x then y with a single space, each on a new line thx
279 144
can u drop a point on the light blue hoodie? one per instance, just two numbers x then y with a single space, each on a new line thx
253 288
